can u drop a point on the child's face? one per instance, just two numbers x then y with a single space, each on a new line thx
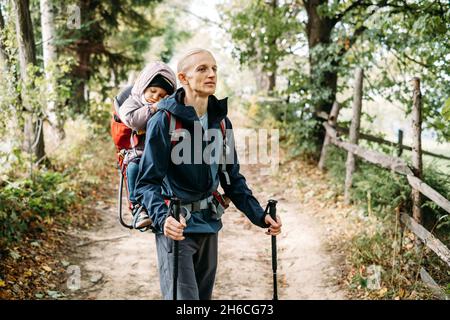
154 94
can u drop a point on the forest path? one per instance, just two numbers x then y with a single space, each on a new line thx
116 263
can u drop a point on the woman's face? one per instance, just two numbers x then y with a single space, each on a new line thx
201 74
154 94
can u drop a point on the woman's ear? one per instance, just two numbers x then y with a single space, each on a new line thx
182 78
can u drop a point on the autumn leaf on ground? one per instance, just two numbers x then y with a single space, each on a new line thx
46 268
28 273
14 254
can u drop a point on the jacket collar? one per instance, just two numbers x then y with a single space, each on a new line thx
217 108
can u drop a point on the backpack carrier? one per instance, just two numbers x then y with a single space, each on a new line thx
125 140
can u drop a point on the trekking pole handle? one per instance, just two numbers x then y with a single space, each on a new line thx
176 208
273 209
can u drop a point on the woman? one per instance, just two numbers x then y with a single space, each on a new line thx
193 105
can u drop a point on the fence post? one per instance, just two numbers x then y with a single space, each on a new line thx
400 142
354 132
417 147
332 120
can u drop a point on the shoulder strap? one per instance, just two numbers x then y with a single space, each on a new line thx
174 124
223 127
223 166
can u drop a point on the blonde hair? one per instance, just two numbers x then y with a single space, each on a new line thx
182 63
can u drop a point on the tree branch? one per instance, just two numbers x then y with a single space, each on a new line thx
206 20
352 40
354 5
411 59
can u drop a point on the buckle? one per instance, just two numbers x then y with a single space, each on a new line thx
216 208
186 213
196 205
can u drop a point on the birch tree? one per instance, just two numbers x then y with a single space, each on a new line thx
50 57
33 130
3 54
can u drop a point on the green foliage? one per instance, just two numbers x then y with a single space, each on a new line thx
380 191
392 40
25 201
171 37
264 32
297 128
436 218
28 202
446 110
301 136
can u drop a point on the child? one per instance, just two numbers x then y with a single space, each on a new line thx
154 82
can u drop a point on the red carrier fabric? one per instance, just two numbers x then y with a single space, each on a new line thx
120 133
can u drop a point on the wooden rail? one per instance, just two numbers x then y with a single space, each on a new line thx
427 238
396 164
371 138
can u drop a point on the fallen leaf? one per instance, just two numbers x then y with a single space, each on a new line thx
2 283
46 268
65 263
14 254
96 277
55 294
382 292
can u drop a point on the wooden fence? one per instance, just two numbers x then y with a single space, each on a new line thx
396 164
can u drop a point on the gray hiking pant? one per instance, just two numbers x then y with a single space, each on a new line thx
197 266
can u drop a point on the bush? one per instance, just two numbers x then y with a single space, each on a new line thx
25 201
379 192
298 130
80 164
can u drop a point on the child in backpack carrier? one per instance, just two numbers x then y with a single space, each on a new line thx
155 82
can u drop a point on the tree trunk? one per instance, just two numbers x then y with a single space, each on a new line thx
50 57
417 148
34 136
3 55
332 121
83 51
318 31
10 79
272 75
81 74
354 132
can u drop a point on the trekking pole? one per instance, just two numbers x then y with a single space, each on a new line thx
272 205
176 215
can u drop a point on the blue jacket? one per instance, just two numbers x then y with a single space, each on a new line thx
160 178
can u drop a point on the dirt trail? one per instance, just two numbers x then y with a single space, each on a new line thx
123 265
